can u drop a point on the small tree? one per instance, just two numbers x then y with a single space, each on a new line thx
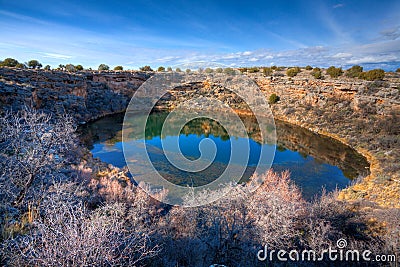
34 64
200 70
47 67
103 67
70 68
178 70
146 68
354 71
118 68
334 72
9 62
169 69
187 70
398 70
273 99
308 67
79 67
161 69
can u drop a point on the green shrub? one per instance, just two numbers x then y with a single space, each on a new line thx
161 69
292 71
146 68
243 70
273 99
187 70
253 70
267 71
334 72
79 67
229 71
354 71
398 70
169 69
317 74
373 75
219 70
308 67
47 67
178 70
20 66
208 70
118 68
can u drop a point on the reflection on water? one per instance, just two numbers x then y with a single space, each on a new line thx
315 161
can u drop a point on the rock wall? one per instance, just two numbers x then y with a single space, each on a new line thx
85 95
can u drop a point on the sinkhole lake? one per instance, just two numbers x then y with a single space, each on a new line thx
314 161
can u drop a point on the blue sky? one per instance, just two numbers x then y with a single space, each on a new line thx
190 33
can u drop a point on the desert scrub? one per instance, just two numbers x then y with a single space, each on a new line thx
293 71
334 72
273 99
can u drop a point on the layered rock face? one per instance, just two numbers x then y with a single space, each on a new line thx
85 96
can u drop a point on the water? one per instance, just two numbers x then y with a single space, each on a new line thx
315 161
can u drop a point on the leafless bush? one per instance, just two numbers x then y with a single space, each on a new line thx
67 234
33 147
232 230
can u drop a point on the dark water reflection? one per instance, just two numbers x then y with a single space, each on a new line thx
315 161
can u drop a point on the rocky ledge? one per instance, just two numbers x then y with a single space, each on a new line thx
84 95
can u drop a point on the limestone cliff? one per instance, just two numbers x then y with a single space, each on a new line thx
85 95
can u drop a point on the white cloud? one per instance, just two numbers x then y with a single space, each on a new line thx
338 6
56 56
342 55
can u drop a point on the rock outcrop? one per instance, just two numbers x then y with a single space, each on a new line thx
85 96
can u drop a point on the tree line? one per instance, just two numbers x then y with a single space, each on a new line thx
355 71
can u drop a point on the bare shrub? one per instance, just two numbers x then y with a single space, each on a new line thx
67 234
232 230
33 147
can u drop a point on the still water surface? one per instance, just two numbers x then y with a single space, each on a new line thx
315 162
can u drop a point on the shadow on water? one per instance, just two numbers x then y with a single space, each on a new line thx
315 161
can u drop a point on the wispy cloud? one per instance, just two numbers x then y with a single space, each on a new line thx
56 56
391 34
338 6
